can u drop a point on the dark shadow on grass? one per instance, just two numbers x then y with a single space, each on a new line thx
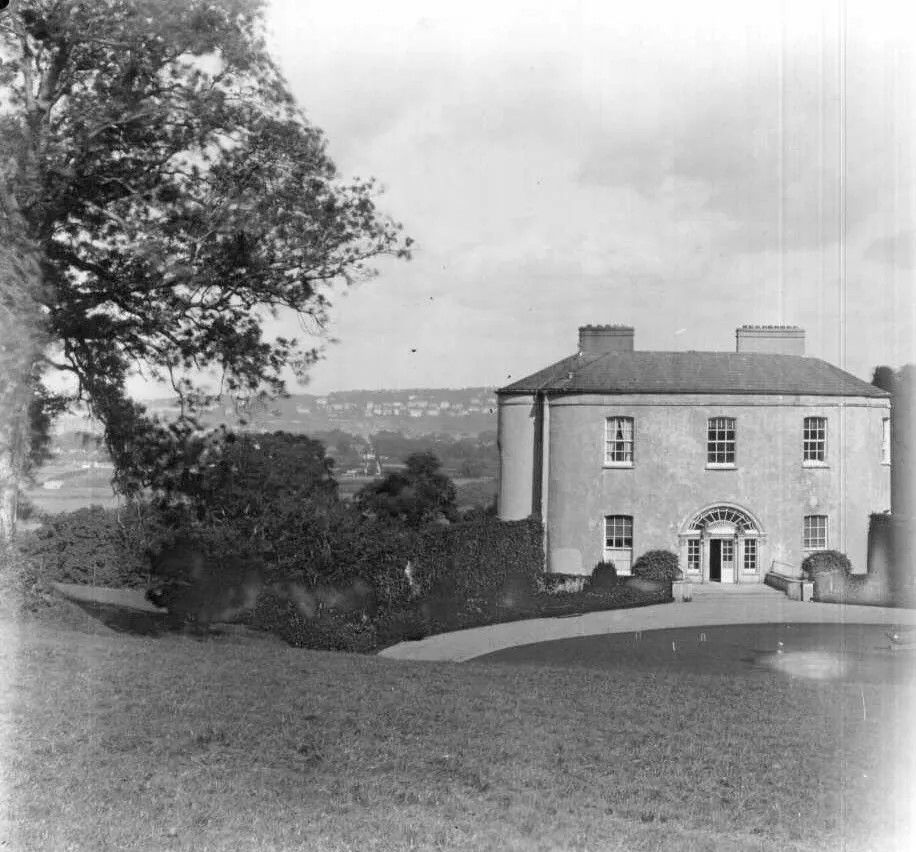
127 620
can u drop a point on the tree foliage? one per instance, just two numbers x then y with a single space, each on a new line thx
885 377
417 495
177 199
258 480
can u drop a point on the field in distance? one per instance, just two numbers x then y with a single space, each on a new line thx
73 489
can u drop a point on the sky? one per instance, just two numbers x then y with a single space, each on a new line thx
681 170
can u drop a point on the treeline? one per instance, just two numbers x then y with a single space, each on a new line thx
459 457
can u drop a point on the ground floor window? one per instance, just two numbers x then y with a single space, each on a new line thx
693 554
618 541
815 532
750 555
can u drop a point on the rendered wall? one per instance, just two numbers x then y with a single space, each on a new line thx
903 479
670 481
518 487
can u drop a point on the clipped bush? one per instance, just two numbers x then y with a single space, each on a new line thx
604 576
660 565
825 562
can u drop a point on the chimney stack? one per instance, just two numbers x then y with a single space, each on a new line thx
776 339
595 339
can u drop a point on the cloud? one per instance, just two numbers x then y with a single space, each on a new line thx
670 167
898 251
789 148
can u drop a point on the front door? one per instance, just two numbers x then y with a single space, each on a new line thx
715 560
727 567
722 560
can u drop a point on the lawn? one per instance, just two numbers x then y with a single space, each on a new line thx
857 653
113 741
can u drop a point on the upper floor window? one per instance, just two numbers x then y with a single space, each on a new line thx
886 440
814 536
618 441
814 440
720 441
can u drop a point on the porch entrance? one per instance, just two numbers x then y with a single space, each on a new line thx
721 544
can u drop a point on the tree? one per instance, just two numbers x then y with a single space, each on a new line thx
885 377
417 495
258 482
268 499
168 197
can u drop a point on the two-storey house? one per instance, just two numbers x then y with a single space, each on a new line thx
737 461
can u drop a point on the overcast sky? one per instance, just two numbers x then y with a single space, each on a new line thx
683 170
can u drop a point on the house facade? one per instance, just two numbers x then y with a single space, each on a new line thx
737 461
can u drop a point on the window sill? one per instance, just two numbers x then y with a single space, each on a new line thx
886 464
617 465
720 466
815 464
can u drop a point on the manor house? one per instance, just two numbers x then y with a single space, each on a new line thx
737 461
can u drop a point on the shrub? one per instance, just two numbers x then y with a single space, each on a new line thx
630 593
400 625
657 565
415 496
325 631
95 546
825 562
604 576
561 584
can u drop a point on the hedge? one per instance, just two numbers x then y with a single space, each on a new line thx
327 631
464 574
479 564
344 589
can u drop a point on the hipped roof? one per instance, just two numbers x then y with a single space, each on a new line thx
693 372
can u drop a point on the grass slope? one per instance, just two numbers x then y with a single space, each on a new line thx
116 742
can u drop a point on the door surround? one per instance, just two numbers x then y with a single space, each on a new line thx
709 537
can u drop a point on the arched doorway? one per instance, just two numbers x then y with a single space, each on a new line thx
721 544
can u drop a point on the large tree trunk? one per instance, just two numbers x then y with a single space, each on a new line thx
11 463
21 350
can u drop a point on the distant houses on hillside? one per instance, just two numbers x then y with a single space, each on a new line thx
417 404
463 412
467 413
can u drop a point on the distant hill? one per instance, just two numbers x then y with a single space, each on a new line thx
459 426
415 411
